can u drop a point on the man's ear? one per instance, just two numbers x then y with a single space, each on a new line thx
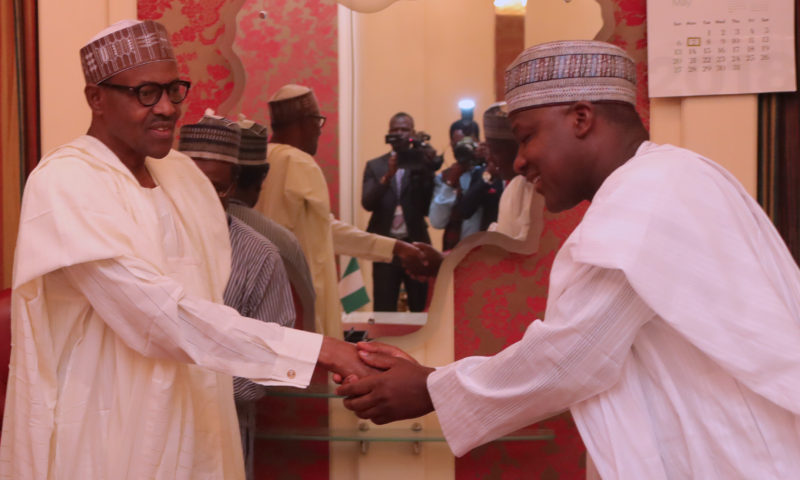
583 117
94 97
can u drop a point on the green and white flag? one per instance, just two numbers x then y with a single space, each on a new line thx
352 292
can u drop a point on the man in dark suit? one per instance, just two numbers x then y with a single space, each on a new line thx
397 189
485 189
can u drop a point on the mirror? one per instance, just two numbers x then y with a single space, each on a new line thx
416 56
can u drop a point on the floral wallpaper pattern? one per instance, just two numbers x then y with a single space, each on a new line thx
237 53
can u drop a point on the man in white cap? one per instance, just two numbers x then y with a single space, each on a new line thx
122 352
295 194
520 205
258 286
673 315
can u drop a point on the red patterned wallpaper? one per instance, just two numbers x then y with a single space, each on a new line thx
237 53
295 43
630 33
199 30
497 295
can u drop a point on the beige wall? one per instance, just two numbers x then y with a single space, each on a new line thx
722 127
64 27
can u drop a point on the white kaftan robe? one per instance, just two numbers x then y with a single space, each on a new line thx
672 331
295 195
121 364
519 206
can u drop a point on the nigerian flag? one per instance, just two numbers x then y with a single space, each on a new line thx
352 292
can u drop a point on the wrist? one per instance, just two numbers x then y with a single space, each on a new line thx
398 247
326 356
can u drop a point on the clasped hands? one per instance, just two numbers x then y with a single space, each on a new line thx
420 260
380 381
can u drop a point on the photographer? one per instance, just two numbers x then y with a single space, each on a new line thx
466 194
397 189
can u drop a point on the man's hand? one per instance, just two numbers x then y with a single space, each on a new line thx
398 393
413 260
452 174
433 260
377 347
341 358
385 349
391 170
429 155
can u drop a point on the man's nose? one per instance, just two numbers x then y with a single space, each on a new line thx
520 164
164 106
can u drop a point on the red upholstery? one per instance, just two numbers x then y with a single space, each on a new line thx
5 345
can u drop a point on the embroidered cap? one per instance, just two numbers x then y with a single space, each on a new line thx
496 124
253 146
292 102
570 71
122 46
212 138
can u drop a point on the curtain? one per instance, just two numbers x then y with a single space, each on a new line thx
19 129
779 158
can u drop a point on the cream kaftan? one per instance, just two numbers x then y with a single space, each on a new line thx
295 195
519 206
671 333
121 364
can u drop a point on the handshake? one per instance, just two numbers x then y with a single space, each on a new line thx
380 381
420 260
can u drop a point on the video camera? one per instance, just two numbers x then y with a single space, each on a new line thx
415 140
413 156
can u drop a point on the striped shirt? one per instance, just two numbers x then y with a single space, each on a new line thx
294 261
258 288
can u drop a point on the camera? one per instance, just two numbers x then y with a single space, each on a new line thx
413 156
466 152
415 140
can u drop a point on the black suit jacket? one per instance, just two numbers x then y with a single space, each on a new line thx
481 194
415 194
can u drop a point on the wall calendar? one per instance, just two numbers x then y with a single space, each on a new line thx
713 47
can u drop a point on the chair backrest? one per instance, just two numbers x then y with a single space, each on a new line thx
5 345
496 295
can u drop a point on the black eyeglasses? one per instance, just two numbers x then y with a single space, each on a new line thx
320 119
150 93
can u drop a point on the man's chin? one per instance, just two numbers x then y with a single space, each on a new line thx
159 153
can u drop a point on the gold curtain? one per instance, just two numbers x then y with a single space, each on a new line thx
19 130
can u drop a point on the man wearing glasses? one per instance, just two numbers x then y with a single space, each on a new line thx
295 195
122 352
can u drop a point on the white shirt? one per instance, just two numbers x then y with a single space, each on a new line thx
671 333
